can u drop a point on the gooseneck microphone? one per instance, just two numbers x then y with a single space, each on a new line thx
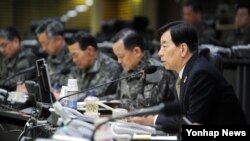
65 71
146 70
150 69
30 69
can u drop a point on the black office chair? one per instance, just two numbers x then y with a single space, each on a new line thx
214 58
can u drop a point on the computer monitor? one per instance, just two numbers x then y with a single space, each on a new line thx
43 80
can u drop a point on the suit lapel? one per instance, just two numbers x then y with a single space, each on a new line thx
185 76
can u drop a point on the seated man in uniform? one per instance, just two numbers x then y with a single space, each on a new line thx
13 60
239 35
93 66
136 92
50 36
192 13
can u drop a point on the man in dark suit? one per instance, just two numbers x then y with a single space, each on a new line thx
204 95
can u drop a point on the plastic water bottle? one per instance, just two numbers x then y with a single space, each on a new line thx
64 92
91 105
56 87
71 101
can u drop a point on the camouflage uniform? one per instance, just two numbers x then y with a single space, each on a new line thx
105 69
236 37
56 64
157 87
206 34
11 66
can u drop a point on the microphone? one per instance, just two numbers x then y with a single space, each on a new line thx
30 69
150 69
65 71
170 108
146 70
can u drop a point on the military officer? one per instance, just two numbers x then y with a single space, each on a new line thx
93 66
13 59
136 93
192 13
50 36
239 35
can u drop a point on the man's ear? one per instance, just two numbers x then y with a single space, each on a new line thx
90 50
137 51
16 42
184 49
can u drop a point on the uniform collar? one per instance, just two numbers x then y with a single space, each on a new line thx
59 58
141 65
12 61
97 64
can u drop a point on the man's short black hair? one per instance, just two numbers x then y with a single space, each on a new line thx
84 39
196 6
244 5
130 38
181 32
9 33
51 27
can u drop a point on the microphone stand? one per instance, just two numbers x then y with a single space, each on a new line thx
17 74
